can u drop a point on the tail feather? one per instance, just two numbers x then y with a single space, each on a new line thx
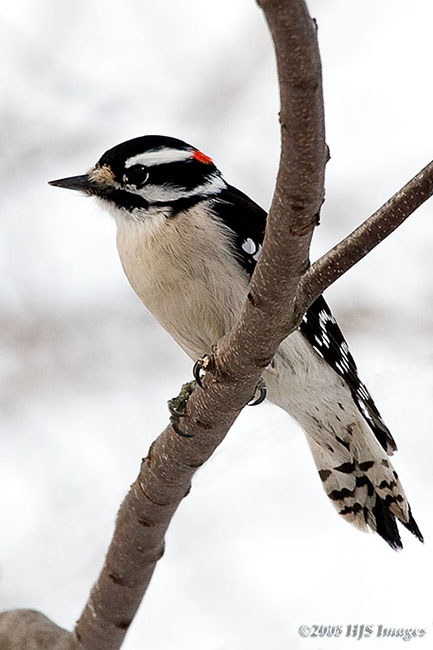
412 526
364 488
352 460
385 524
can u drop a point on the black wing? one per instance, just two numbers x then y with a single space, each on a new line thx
321 329
247 221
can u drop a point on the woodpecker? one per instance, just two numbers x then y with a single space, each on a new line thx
188 243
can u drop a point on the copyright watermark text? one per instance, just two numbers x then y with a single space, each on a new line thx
361 631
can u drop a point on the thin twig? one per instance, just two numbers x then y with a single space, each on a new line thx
363 239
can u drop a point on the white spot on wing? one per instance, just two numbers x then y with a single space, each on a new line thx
324 317
343 366
364 410
362 391
319 352
257 253
249 246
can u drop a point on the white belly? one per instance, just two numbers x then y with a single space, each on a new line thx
194 292
306 386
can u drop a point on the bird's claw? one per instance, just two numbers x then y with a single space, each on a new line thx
200 368
174 413
178 431
261 387
177 406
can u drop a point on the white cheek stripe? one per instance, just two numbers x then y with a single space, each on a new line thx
161 193
159 157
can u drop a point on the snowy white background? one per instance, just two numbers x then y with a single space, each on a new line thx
256 549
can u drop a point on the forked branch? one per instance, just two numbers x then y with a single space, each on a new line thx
369 234
281 290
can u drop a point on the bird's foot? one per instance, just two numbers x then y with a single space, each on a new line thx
201 366
177 406
261 389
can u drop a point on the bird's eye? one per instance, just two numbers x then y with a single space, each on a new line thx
136 175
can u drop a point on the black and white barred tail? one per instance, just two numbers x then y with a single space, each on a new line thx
353 466
365 488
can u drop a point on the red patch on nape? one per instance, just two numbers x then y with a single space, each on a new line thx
201 157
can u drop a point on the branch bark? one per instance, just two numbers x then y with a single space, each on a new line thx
281 290
240 357
166 473
367 236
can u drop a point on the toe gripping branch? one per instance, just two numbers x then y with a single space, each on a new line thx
261 389
177 406
201 366
206 362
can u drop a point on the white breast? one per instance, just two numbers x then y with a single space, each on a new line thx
183 271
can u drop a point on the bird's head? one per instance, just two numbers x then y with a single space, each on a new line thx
148 173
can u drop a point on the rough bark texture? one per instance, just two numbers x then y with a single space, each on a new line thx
275 305
166 473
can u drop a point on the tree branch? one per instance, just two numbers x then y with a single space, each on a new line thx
366 237
240 357
272 311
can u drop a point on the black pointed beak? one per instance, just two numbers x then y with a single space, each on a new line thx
79 183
